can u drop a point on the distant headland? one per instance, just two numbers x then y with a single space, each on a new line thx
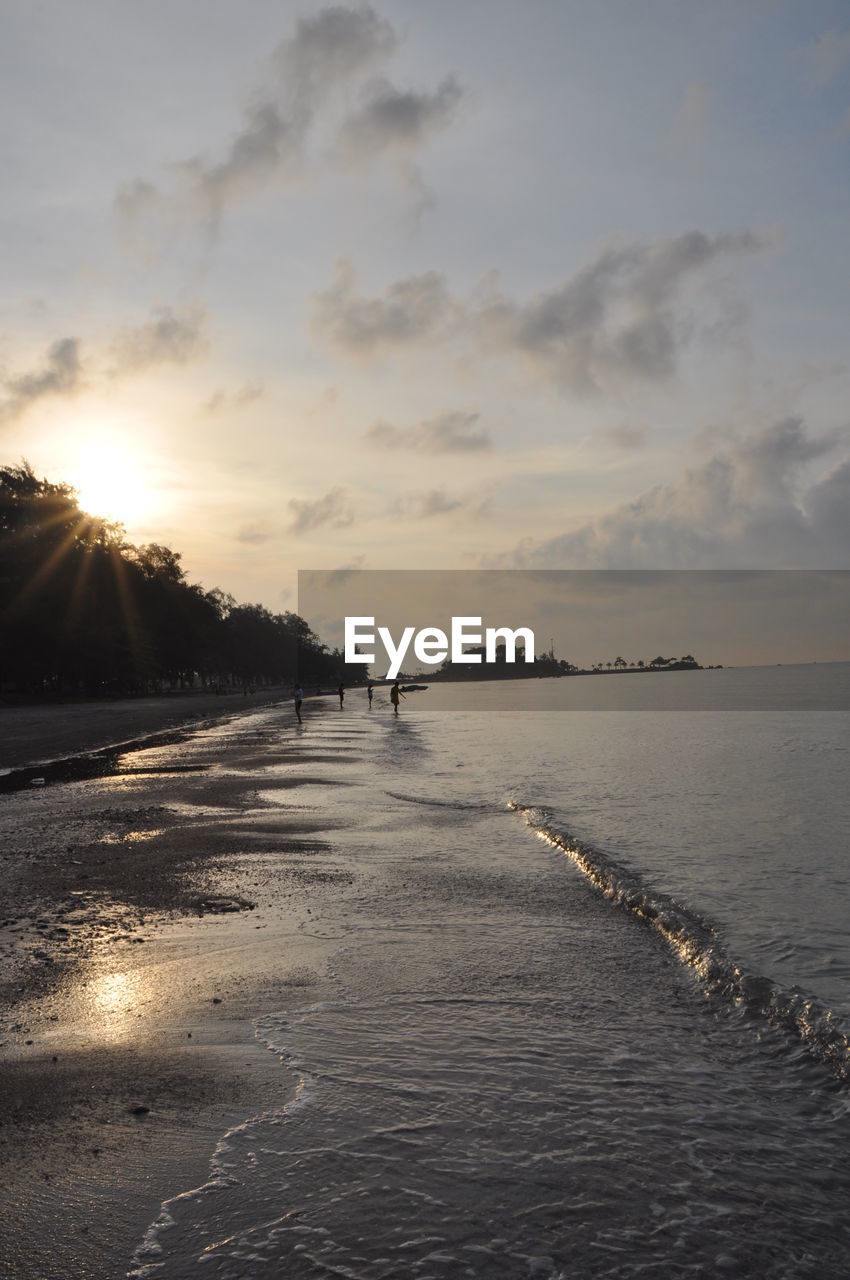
546 664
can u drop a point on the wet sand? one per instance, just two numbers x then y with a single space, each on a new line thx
146 917
32 734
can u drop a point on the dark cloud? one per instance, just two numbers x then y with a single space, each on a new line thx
317 62
326 51
169 337
409 311
60 375
266 144
312 76
447 433
618 320
333 509
746 506
400 120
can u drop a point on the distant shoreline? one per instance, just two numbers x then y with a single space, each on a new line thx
517 672
429 678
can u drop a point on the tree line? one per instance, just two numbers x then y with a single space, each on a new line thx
546 664
84 611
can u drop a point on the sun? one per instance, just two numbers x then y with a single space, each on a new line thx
110 483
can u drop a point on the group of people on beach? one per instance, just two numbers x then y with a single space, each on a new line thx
395 695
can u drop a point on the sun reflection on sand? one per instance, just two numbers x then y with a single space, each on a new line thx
131 837
114 998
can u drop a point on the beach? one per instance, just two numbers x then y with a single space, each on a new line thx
136 947
479 371
436 995
52 731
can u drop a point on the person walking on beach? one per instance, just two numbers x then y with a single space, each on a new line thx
341 692
395 694
370 691
298 695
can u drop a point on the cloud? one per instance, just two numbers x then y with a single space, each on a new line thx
626 435
828 56
222 400
746 506
615 320
395 123
447 433
310 80
327 51
60 374
391 119
408 312
828 510
332 509
618 320
425 504
255 535
169 337
266 143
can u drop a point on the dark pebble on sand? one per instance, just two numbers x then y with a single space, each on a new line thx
139 1109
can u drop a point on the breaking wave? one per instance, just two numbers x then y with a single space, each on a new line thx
696 943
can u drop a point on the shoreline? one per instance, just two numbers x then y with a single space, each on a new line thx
139 956
37 734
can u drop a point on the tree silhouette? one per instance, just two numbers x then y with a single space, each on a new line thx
84 611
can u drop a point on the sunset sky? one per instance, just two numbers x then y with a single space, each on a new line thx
433 285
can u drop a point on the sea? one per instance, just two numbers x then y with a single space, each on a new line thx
587 1008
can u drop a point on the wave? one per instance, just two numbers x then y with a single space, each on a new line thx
697 944
440 804
150 1258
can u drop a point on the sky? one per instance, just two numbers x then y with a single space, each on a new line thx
465 284
737 617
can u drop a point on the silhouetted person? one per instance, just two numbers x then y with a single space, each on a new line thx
341 692
370 691
395 694
298 695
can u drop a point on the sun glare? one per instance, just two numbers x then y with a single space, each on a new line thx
111 484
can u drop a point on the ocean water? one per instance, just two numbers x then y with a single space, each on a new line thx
587 1007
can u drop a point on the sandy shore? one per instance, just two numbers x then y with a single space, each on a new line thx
146 917
32 734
